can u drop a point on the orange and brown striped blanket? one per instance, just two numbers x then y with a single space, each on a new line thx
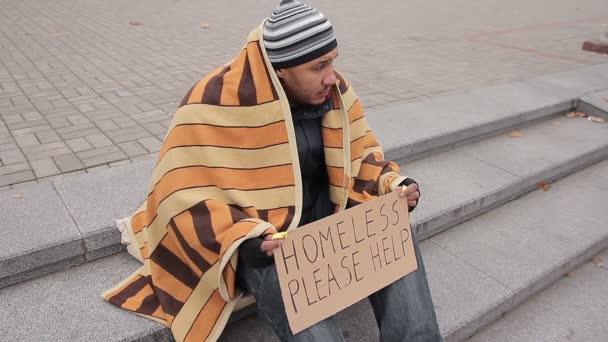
228 171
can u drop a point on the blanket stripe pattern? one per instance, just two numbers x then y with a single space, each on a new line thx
228 171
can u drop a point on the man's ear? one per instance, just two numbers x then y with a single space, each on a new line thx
280 72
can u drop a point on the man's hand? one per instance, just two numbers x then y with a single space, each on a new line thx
411 193
268 245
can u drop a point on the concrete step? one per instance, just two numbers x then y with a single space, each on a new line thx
466 181
477 271
416 130
419 129
483 174
595 103
573 309
48 227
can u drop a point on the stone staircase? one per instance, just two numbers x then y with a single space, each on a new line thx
492 238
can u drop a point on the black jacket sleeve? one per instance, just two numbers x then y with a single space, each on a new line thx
251 255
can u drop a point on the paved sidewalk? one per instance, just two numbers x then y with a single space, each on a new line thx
91 84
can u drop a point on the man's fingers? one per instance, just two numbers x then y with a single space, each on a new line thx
266 246
414 196
269 245
411 189
273 246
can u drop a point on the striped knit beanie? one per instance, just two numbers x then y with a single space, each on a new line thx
296 33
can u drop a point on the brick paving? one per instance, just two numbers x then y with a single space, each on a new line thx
86 85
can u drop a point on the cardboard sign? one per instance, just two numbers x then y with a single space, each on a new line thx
328 265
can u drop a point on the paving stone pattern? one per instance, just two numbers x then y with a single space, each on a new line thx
89 84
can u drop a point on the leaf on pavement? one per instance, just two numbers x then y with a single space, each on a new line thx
598 261
515 134
57 34
134 23
205 25
17 196
576 115
569 274
544 186
596 118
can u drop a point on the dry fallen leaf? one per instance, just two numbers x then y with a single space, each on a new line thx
557 123
515 134
57 34
17 196
576 115
134 23
205 25
598 261
596 118
569 274
544 186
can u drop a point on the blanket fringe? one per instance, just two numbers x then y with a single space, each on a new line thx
127 238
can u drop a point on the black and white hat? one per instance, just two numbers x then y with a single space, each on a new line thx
296 33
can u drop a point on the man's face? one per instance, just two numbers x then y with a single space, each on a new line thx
310 83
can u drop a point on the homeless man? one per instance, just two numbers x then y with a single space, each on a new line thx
271 141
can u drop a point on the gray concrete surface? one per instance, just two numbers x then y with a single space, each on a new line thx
418 128
576 79
528 243
88 83
599 170
96 200
446 193
67 306
446 120
461 293
489 172
573 309
541 146
595 103
518 95
37 231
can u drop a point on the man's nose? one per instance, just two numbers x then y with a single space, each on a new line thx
330 78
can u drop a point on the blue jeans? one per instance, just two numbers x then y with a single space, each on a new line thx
404 310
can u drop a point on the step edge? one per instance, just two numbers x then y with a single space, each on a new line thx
591 108
533 287
41 271
37 259
429 146
437 223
